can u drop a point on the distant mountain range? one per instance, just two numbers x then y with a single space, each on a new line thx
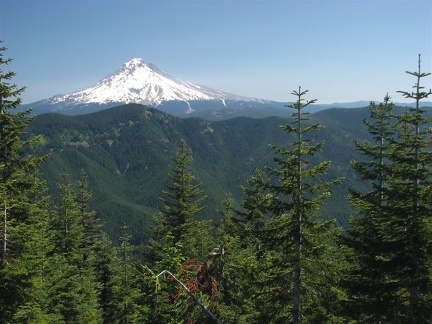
144 83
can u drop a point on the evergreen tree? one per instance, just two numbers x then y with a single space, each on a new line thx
182 201
179 237
390 243
24 211
99 254
66 222
366 283
108 279
71 277
299 245
91 224
241 263
127 292
409 226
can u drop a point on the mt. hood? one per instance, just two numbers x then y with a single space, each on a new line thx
144 83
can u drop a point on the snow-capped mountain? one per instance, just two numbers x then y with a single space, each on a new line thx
138 81
144 83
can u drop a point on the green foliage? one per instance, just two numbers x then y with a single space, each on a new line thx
130 148
183 198
276 255
363 237
390 244
280 263
107 278
127 293
298 242
180 241
241 261
176 224
70 275
24 217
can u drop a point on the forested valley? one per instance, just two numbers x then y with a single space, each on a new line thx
280 250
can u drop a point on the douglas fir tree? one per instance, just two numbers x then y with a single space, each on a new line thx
24 212
391 242
297 244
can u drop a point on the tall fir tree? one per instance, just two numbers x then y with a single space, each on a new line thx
241 263
24 211
298 243
371 294
178 236
410 222
393 234
182 202
91 224
108 279
99 254
71 277
127 292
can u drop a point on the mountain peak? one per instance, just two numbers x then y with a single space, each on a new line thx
138 81
137 63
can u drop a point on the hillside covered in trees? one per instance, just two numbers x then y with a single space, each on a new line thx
126 153
273 250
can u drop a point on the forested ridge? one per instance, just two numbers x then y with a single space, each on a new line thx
127 150
273 251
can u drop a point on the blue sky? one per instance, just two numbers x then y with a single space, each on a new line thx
340 50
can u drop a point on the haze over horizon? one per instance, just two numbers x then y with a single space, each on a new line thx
342 51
